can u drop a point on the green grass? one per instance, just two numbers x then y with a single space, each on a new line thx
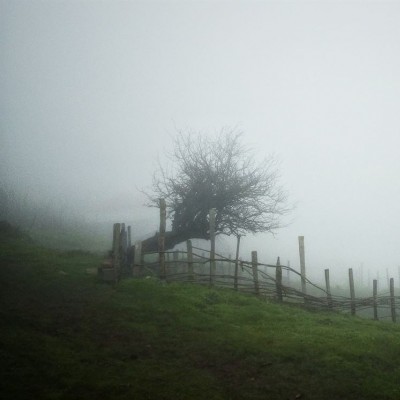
64 335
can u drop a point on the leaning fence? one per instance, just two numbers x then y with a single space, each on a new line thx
201 266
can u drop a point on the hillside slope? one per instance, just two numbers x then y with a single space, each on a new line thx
66 336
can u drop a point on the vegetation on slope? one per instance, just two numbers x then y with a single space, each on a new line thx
64 335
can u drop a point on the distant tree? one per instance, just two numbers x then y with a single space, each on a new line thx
218 173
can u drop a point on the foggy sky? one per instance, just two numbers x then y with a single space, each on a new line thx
91 92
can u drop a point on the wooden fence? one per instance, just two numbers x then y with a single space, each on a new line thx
277 282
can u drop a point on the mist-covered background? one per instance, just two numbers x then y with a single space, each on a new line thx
92 92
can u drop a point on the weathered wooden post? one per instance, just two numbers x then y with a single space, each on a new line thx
392 300
161 238
375 296
189 248
212 252
328 289
235 279
302 265
288 272
254 265
352 292
278 280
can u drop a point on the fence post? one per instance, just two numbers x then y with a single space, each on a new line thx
254 264
278 280
302 266
212 252
328 289
375 295
288 273
235 281
189 249
161 238
352 292
392 300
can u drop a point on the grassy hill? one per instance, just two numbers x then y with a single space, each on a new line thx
64 335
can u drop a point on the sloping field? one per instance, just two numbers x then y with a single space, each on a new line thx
64 335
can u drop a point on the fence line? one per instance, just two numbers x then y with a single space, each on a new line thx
193 266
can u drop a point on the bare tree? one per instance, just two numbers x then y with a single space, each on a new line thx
218 173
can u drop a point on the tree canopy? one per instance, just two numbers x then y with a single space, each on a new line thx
222 173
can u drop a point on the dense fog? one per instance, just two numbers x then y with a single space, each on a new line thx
91 94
